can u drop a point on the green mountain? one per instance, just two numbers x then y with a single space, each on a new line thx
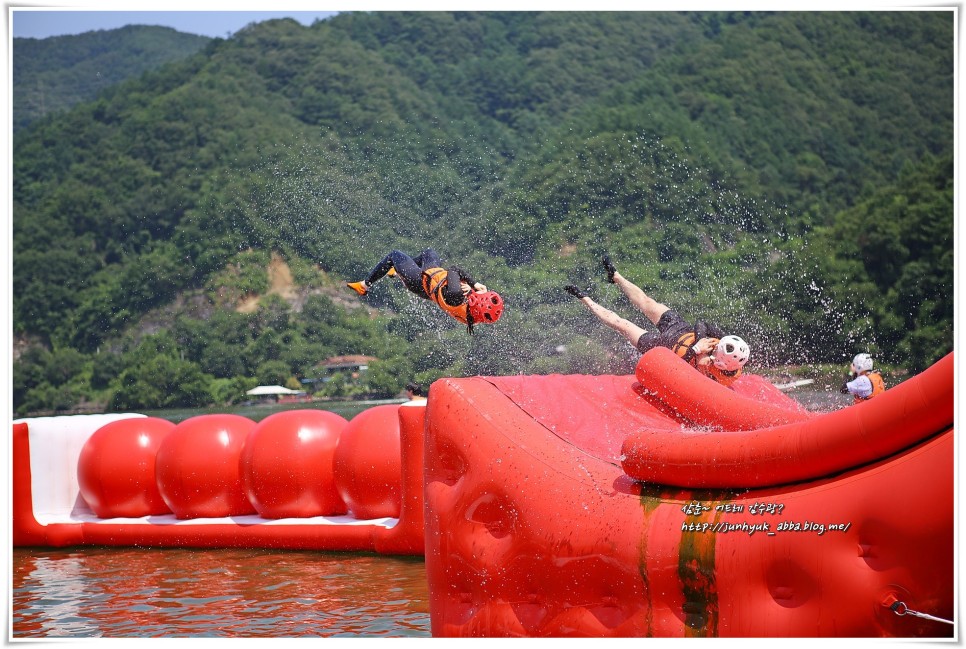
786 174
50 75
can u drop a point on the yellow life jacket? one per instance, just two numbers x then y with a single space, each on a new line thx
878 386
684 343
434 281
724 377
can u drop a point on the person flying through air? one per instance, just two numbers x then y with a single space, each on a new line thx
703 345
451 288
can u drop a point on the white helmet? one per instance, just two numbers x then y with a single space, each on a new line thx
862 363
731 354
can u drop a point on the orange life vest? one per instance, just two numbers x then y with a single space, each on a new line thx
724 377
878 386
434 281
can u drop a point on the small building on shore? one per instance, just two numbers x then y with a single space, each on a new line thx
277 394
352 366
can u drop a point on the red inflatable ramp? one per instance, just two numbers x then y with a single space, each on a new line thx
674 387
533 530
737 457
593 413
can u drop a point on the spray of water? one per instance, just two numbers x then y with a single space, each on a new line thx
648 202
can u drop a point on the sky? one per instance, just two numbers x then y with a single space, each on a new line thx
31 19
38 22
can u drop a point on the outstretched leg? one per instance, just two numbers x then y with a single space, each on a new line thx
626 328
644 302
395 262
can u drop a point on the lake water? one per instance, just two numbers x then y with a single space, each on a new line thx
173 593
231 593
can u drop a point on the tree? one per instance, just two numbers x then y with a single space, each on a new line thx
173 384
386 379
273 373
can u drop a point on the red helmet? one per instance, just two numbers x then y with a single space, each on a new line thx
485 307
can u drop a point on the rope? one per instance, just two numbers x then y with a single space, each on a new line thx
900 608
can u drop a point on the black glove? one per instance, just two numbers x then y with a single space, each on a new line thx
573 290
609 267
845 388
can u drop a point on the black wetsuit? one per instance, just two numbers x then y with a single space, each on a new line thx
671 327
410 271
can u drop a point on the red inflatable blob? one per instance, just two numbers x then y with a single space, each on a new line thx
821 446
286 464
368 465
198 467
812 528
115 470
667 382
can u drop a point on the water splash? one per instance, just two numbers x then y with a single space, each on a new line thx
647 199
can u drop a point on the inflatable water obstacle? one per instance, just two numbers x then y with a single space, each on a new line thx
299 479
659 504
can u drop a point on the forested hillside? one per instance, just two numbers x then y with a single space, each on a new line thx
50 75
787 174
